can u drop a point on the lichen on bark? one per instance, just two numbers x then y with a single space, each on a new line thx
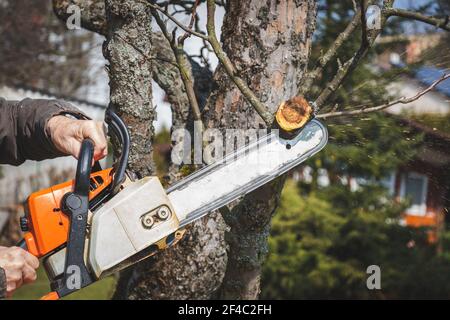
130 74
93 16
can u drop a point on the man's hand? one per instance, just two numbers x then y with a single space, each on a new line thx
20 267
67 135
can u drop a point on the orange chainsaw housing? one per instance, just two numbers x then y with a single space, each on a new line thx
48 226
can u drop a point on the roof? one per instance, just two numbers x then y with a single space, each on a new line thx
435 148
436 134
428 74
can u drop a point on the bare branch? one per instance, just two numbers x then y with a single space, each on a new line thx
191 23
229 68
350 65
178 23
364 38
182 64
167 76
330 53
93 16
442 23
402 100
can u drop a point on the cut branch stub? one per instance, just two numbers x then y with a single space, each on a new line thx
293 114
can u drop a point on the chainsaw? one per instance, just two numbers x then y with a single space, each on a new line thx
104 221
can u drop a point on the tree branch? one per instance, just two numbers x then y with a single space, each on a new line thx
402 100
442 23
330 54
364 37
229 68
93 16
182 64
348 67
178 23
191 23
167 76
131 87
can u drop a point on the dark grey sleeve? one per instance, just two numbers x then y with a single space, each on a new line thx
2 284
23 133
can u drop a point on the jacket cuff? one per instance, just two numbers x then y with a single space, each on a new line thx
56 108
2 284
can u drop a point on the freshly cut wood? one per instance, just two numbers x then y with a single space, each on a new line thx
293 114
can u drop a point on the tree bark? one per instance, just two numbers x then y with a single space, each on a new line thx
127 46
195 266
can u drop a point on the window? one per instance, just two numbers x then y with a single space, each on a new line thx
414 187
389 183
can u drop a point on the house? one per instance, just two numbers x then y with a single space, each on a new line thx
425 180
16 183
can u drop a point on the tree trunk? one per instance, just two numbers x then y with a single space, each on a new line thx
269 41
128 37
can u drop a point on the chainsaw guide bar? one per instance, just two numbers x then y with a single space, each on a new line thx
243 171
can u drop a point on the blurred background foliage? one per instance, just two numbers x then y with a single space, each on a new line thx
37 51
320 248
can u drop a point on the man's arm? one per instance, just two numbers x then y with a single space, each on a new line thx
23 132
37 130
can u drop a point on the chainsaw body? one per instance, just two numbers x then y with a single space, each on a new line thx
99 222
46 226
104 221
119 230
